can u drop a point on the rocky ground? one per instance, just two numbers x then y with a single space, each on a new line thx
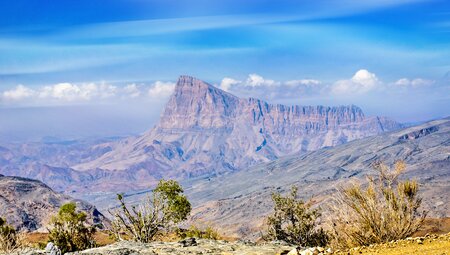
428 245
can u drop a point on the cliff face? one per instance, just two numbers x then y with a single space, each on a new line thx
204 130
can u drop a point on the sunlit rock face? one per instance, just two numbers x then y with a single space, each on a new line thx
205 130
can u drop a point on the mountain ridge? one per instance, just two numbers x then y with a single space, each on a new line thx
205 130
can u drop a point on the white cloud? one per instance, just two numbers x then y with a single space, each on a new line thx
255 80
71 92
415 83
361 82
67 93
132 90
161 89
18 93
305 82
256 85
227 83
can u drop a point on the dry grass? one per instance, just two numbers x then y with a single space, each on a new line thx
385 210
430 245
436 226
40 239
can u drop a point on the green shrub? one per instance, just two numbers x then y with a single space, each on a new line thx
294 222
385 210
69 230
166 207
194 231
9 238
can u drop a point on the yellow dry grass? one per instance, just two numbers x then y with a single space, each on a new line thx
429 245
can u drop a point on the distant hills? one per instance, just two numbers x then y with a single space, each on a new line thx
29 204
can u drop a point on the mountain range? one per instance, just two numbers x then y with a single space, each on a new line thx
204 130
231 153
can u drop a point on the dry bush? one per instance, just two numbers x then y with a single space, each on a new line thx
387 209
294 222
10 240
166 207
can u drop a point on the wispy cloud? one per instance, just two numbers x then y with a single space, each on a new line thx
418 82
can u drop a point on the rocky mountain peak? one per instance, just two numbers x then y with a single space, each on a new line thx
205 130
197 104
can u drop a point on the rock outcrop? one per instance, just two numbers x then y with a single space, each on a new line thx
29 204
206 131
202 247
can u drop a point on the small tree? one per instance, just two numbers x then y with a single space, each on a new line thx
386 210
166 207
69 230
294 222
9 238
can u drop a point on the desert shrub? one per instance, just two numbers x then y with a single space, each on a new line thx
385 210
294 221
69 231
208 233
166 207
9 239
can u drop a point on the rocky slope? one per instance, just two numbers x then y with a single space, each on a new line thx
236 203
206 131
28 204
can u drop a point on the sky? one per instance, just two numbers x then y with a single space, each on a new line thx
72 69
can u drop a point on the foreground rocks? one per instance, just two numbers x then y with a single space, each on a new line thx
188 247
430 244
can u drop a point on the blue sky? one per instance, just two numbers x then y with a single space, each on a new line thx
108 55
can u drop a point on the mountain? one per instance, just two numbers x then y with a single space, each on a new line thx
238 202
206 131
29 204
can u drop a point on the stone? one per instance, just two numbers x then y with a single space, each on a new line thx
293 252
174 248
306 252
52 249
188 242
